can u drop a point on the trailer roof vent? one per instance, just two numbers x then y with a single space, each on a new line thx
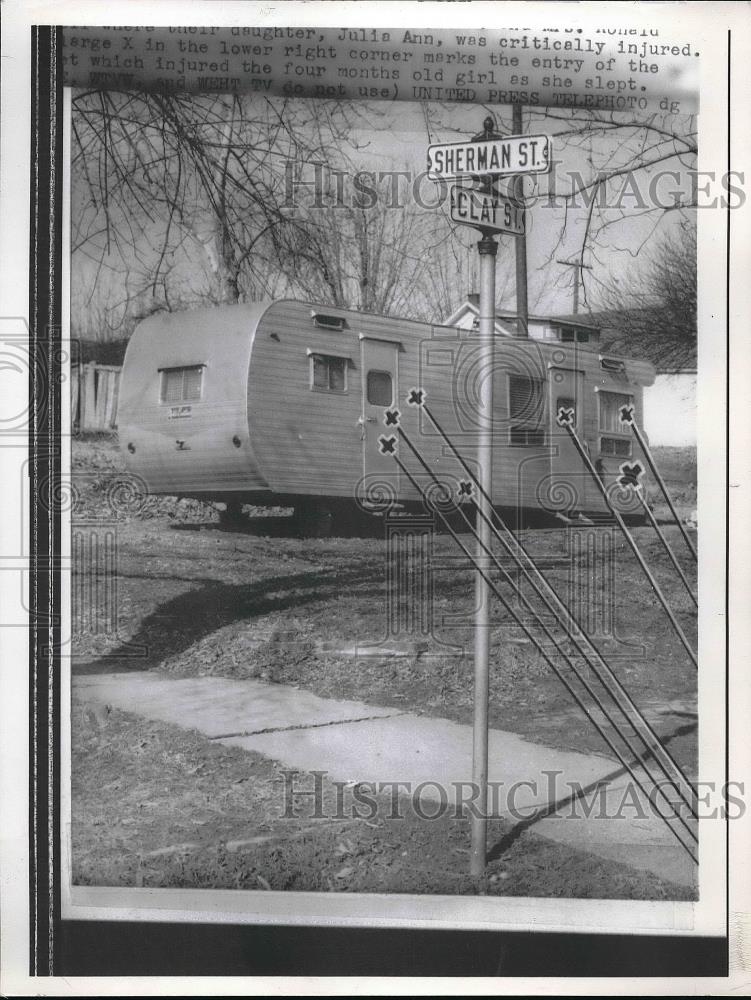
328 322
613 365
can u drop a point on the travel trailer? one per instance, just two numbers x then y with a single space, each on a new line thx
285 404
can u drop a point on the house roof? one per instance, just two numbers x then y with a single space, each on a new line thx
509 316
632 333
569 320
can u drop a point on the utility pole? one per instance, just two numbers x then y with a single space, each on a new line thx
577 275
520 242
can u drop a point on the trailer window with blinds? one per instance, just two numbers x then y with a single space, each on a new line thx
328 373
182 385
525 406
610 411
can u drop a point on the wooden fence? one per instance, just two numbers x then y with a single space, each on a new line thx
94 391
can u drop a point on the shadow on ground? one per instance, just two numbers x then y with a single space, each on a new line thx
180 622
551 808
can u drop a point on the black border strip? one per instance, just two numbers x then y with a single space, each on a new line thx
44 473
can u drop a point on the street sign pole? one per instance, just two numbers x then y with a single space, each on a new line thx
488 249
478 820
483 160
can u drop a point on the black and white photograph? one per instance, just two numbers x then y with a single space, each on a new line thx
314 541
389 472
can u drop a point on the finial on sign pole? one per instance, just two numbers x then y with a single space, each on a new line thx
488 129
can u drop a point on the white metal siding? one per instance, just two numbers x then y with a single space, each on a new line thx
207 461
299 440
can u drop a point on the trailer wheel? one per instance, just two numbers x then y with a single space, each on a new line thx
232 515
314 519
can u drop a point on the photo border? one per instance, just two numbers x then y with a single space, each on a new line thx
45 314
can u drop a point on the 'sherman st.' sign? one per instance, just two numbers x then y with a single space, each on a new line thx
514 154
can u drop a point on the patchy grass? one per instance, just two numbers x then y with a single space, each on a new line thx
156 805
295 611
193 599
677 466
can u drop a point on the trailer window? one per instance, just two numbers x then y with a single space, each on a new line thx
525 405
182 385
328 373
524 398
526 437
610 411
379 388
617 447
325 322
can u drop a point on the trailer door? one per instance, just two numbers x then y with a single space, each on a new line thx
566 388
379 363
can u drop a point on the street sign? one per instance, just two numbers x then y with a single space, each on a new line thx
486 210
514 154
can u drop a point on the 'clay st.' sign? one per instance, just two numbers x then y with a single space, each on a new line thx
490 211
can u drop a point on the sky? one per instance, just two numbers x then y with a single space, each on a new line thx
409 128
393 136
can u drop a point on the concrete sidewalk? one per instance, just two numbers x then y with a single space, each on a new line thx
353 741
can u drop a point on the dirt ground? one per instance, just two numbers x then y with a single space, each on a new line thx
156 805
